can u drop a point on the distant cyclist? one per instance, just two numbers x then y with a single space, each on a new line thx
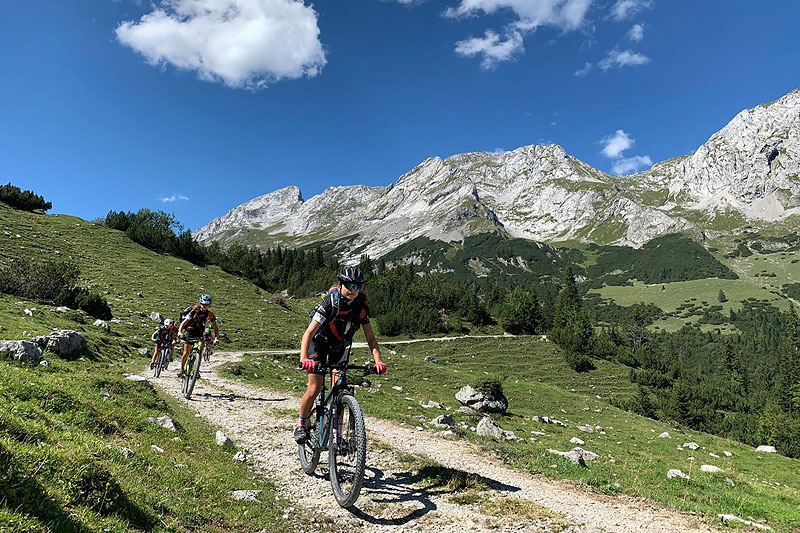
165 335
192 328
329 335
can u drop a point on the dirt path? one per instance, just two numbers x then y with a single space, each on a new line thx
391 500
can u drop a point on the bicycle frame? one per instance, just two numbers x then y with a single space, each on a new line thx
325 423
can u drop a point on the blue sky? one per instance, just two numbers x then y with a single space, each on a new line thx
208 103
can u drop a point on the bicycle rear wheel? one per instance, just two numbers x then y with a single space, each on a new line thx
309 451
191 375
348 452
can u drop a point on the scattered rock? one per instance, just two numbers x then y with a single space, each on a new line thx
157 449
734 518
223 440
574 456
443 421
715 456
61 309
664 435
22 351
468 411
727 454
586 429
28 312
489 428
102 324
766 449
127 452
586 454
429 359
576 440
143 351
479 401
675 473
446 434
729 481
245 495
691 445
155 316
44 362
62 341
398 388
240 456
163 421
548 420
711 469
115 321
431 405
139 379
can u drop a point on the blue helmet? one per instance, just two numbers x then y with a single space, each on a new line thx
205 299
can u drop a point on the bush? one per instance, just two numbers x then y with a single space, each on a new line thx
579 362
25 200
491 387
38 280
85 300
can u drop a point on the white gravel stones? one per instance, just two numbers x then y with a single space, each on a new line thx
245 495
766 449
223 440
675 473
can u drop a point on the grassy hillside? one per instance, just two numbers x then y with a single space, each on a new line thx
64 427
633 460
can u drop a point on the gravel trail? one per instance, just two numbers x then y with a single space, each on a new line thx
392 500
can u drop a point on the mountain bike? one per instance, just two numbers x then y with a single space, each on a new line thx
192 368
207 351
162 361
346 441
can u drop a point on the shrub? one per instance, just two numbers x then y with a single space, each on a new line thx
80 298
491 387
25 200
38 280
579 362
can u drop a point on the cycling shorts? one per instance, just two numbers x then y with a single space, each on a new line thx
321 353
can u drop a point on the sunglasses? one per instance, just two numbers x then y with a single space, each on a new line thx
352 286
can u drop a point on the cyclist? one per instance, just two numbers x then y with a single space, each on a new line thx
164 335
192 327
207 336
329 335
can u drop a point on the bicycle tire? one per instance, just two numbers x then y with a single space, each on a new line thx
159 363
192 377
309 452
347 472
186 372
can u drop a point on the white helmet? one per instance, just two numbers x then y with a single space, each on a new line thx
169 323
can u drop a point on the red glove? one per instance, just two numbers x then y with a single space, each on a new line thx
308 365
380 368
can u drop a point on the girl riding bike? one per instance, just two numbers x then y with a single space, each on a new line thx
330 333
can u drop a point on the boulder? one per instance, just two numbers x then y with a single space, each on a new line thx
62 309
469 397
574 456
766 449
489 428
155 316
586 454
136 378
727 454
576 440
63 341
163 421
443 421
711 469
22 351
245 495
223 440
102 324
675 473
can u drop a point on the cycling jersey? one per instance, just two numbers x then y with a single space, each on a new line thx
198 317
165 334
339 320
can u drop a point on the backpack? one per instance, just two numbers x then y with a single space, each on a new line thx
183 314
335 299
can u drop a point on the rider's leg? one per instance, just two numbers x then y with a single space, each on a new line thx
186 349
200 347
307 402
155 354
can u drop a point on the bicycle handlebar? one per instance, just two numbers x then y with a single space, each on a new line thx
368 369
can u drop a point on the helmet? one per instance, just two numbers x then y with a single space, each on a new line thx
205 299
351 275
169 322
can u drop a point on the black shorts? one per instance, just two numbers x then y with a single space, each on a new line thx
322 354
194 335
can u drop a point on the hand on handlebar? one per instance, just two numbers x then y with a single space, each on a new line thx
308 365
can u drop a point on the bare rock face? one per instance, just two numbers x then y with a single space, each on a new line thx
22 351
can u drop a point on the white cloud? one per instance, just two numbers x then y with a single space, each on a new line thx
636 33
243 43
493 48
175 198
614 145
566 15
622 58
581 72
498 151
624 9
629 165
553 123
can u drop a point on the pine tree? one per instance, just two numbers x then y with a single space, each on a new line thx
568 303
789 375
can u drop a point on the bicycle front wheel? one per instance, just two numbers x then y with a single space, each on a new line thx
348 451
159 364
191 376
309 451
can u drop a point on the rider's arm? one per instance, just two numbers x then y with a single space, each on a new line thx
216 331
311 330
373 342
154 335
183 325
